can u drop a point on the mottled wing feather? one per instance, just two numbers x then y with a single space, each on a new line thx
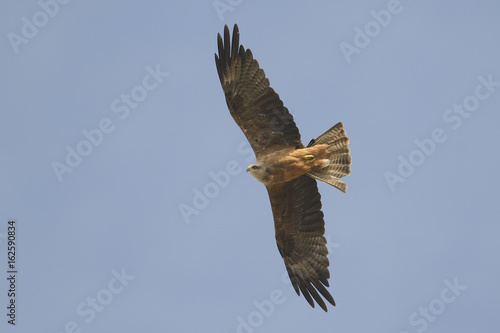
299 228
254 105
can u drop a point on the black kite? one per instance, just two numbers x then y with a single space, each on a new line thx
285 166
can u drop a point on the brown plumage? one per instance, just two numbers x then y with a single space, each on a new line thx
285 166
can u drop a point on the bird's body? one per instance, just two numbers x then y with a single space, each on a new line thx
285 166
289 163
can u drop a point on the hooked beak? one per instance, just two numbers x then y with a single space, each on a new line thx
248 169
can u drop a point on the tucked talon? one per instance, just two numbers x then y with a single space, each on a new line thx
308 158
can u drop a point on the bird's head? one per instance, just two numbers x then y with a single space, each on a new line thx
258 171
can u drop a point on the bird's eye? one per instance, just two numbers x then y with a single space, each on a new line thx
255 167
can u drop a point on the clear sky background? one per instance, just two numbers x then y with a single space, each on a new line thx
124 170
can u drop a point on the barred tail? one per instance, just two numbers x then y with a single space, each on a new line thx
340 158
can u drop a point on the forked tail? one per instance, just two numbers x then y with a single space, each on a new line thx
340 158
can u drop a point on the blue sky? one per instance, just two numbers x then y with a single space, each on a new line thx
114 125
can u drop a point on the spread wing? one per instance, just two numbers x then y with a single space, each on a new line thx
254 105
299 227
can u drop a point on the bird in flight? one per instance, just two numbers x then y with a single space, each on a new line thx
285 166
